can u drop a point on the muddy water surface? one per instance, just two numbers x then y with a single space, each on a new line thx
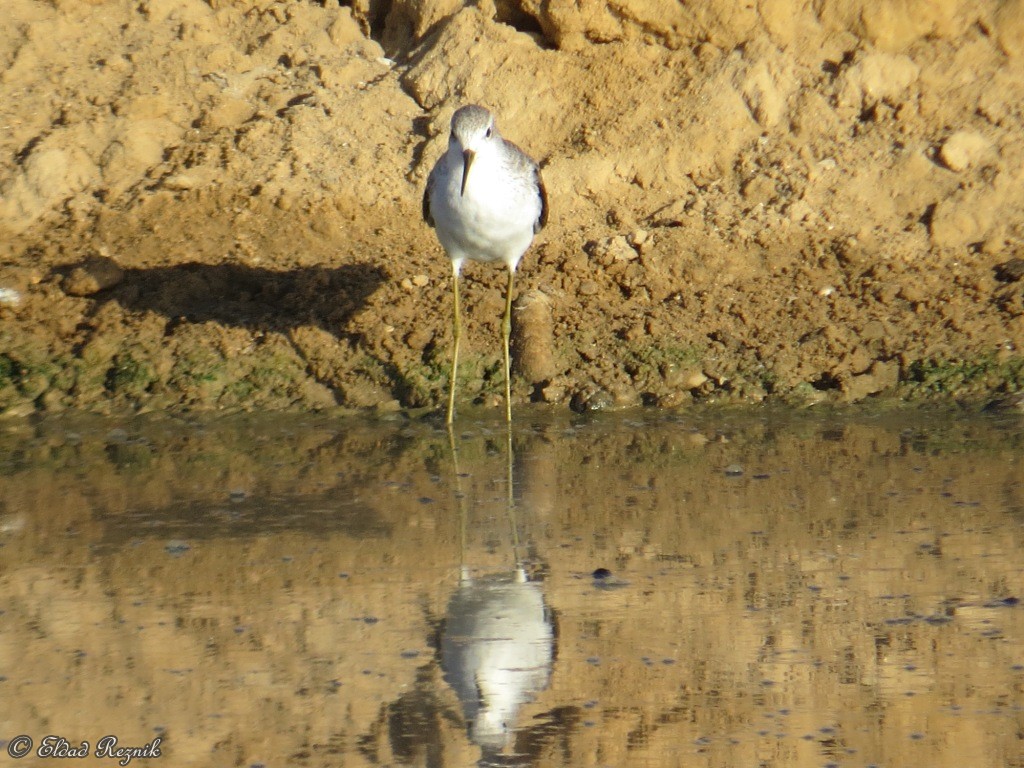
709 589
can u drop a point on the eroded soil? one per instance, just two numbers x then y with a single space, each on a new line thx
217 204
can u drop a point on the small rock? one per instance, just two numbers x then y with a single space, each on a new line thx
799 210
420 280
609 250
693 378
963 149
879 377
1010 271
182 182
873 330
92 276
994 243
116 436
877 77
285 201
961 219
759 190
672 215
228 112
588 400
604 579
419 337
15 283
344 29
20 410
912 293
857 360
1010 403
177 547
10 297
52 401
640 240
553 393
1009 27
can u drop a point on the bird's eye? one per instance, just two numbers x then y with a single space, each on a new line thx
488 134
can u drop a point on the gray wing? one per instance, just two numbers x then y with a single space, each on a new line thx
542 220
427 216
521 162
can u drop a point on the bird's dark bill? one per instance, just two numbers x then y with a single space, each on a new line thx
467 160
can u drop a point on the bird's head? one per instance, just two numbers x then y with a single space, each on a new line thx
473 131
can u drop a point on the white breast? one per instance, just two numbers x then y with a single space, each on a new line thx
493 220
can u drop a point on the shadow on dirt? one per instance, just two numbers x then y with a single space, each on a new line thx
251 297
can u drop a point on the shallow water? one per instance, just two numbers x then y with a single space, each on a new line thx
778 590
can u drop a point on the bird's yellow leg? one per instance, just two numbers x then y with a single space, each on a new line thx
506 333
457 332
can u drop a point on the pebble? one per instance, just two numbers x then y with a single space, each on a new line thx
693 378
92 276
177 547
1010 271
964 149
15 282
10 297
116 436
553 393
873 330
641 242
609 250
588 400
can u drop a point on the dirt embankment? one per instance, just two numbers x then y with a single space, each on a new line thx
215 204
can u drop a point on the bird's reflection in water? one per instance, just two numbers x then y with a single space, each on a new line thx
497 648
496 652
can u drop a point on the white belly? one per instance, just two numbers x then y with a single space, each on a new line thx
493 220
